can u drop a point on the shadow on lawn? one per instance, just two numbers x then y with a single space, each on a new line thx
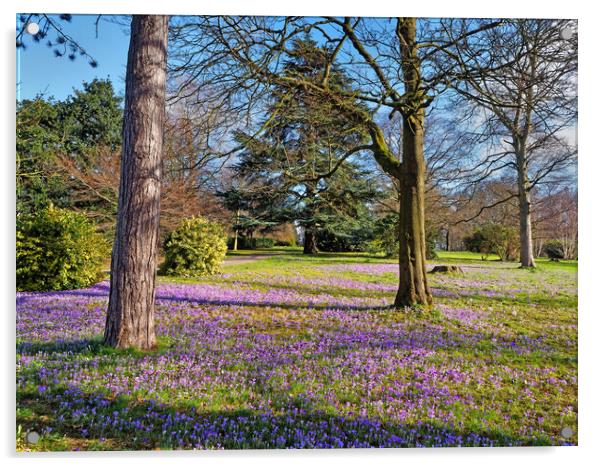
388 289
92 346
80 419
101 290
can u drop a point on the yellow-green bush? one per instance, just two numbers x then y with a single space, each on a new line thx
197 247
58 249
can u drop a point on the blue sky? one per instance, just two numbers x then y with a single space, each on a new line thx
39 71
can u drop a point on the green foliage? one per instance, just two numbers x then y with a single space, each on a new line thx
329 241
493 238
286 242
58 249
288 169
245 242
343 240
92 117
554 249
386 239
475 241
347 229
196 248
37 140
431 244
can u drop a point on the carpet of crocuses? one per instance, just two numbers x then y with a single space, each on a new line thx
289 352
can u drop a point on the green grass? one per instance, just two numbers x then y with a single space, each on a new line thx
516 356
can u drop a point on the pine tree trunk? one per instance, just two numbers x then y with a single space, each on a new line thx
413 288
130 317
309 244
524 202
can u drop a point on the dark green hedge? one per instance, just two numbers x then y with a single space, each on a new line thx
252 243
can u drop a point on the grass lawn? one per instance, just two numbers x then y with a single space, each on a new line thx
303 352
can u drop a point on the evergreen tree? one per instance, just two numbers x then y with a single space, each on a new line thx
299 166
74 128
92 117
37 140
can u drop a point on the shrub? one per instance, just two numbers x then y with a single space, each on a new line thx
328 241
58 249
263 243
493 238
554 250
286 242
475 242
196 248
431 244
387 238
245 242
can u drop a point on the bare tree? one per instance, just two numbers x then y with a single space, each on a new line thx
130 316
446 150
523 83
556 220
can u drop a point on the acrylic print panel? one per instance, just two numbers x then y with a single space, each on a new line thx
295 232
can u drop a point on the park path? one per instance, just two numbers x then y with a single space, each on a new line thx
244 259
229 260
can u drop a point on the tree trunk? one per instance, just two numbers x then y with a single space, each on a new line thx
413 289
235 245
526 241
309 244
524 202
130 317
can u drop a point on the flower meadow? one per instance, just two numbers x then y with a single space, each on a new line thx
294 352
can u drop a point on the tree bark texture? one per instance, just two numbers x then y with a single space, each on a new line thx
524 202
413 288
130 317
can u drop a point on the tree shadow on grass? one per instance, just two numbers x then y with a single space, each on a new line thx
93 346
320 288
101 290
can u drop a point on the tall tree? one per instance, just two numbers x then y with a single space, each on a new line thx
130 316
37 141
91 117
528 108
50 132
392 71
303 140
